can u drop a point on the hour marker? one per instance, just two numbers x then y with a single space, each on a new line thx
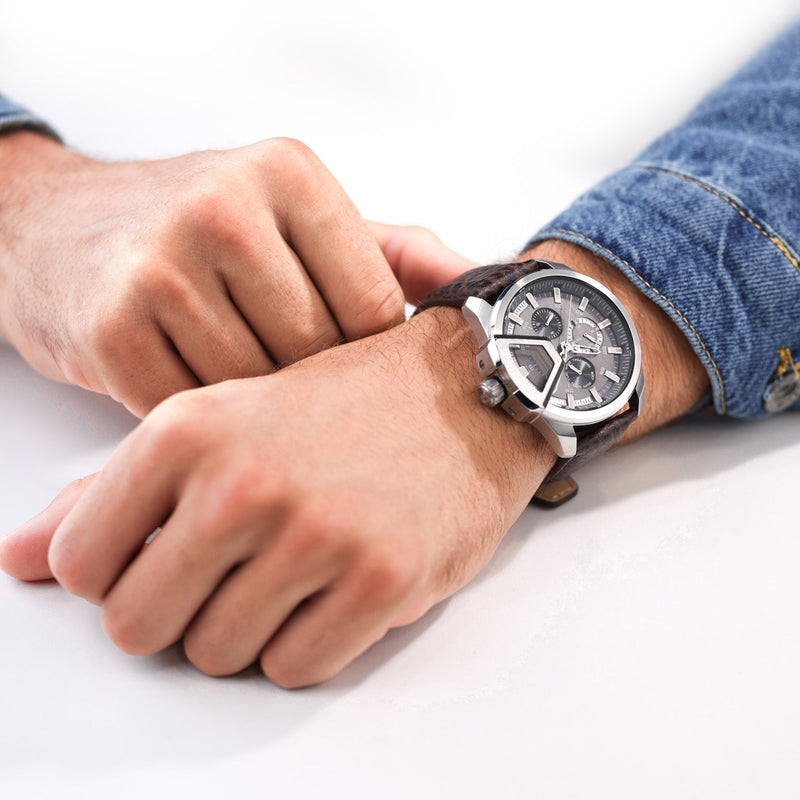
594 393
614 350
604 324
611 376
530 298
556 294
570 400
516 318
583 304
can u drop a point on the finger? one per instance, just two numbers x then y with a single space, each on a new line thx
254 601
23 551
321 224
330 630
125 503
162 589
143 369
273 291
212 337
419 259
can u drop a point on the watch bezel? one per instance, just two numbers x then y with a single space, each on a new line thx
551 413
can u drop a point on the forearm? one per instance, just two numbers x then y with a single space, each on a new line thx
27 158
21 132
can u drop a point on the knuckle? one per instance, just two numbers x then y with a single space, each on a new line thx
108 335
209 656
126 631
242 508
385 576
422 234
382 305
293 164
239 504
218 210
175 425
285 672
281 150
159 281
318 537
69 569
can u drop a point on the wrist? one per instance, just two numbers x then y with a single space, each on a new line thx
444 348
28 162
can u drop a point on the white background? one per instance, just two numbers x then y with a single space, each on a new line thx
642 641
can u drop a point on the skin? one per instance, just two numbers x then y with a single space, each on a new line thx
305 513
142 279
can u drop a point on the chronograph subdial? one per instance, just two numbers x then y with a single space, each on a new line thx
580 372
546 322
584 337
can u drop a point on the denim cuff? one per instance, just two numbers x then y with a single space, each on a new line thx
728 281
13 116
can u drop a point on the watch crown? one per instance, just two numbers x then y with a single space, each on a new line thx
491 392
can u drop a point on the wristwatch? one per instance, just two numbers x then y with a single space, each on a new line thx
556 350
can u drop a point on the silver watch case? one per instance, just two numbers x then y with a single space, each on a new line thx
523 402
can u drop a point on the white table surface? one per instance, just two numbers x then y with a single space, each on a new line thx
641 641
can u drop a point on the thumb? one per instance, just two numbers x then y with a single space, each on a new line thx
23 551
419 259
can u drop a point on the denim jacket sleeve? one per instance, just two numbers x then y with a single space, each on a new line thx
706 222
14 116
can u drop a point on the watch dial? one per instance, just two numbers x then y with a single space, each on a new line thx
591 336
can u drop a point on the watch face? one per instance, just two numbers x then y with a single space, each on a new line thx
568 345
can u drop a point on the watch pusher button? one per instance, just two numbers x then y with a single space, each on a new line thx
491 392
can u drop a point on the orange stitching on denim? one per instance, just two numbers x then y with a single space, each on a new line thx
786 363
776 240
662 296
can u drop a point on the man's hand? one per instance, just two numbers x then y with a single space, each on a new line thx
302 515
305 513
142 279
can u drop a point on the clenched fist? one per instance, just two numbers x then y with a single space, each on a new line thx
142 279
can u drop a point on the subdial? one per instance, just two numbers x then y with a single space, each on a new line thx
580 372
545 322
584 337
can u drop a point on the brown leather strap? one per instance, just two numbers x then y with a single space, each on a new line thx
484 282
594 440
553 494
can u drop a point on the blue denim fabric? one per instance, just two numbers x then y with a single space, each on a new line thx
14 116
706 222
